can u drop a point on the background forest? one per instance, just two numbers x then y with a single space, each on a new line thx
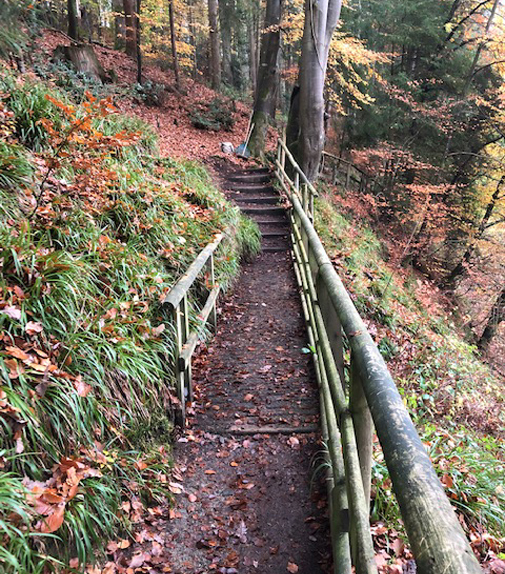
414 101
102 206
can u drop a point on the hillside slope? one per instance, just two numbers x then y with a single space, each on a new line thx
95 227
454 399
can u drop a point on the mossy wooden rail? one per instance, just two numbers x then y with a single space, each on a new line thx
355 395
185 339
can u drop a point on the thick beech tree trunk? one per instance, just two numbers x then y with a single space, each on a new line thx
215 64
119 25
226 12
253 62
268 78
130 28
173 44
321 17
73 20
496 317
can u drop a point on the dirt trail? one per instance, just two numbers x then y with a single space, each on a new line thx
249 494
251 502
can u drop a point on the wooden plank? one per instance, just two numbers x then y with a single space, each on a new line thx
251 430
189 347
176 294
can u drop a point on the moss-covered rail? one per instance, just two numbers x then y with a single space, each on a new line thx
355 395
186 340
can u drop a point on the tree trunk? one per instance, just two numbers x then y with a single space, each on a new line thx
321 18
225 25
130 28
480 47
460 267
496 317
119 25
253 62
138 50
268 75
173 44
73 21
215 65
293 127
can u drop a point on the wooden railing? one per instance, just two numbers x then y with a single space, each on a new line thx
299 185
333 167
185 339
355 395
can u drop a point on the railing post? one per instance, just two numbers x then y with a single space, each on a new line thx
348 176
188 382
333 327
179 373
212 281
363 427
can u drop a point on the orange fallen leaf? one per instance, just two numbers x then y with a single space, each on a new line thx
52 522
18 353
292 567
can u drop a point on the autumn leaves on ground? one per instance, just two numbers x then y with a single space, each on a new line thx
102 207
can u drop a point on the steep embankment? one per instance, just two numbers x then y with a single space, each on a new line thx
94 228
454 399
172 114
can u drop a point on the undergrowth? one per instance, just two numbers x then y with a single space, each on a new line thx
453 398
94 230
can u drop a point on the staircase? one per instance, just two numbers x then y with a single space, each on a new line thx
252 191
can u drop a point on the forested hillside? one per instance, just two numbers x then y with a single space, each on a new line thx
135 133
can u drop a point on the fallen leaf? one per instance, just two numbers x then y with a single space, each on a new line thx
12 312
32 328
137 560
52 522
292 567
18 353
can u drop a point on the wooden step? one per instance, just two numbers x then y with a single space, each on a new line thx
247 188
275 233
267 199
260 211
274 248
249 178
251 171
280 222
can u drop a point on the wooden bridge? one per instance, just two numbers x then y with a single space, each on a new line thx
357 392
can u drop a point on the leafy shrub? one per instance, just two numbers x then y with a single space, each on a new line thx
215 115
28 102
16 169
150 93
12 38
85 341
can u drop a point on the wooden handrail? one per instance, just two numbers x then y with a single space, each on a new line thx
175 295
437 539
187 340
297 168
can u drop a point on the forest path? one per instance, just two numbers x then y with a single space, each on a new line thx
250 502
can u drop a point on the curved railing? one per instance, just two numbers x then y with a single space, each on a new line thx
351 408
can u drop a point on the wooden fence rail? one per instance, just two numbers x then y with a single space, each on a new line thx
355 396
186 340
